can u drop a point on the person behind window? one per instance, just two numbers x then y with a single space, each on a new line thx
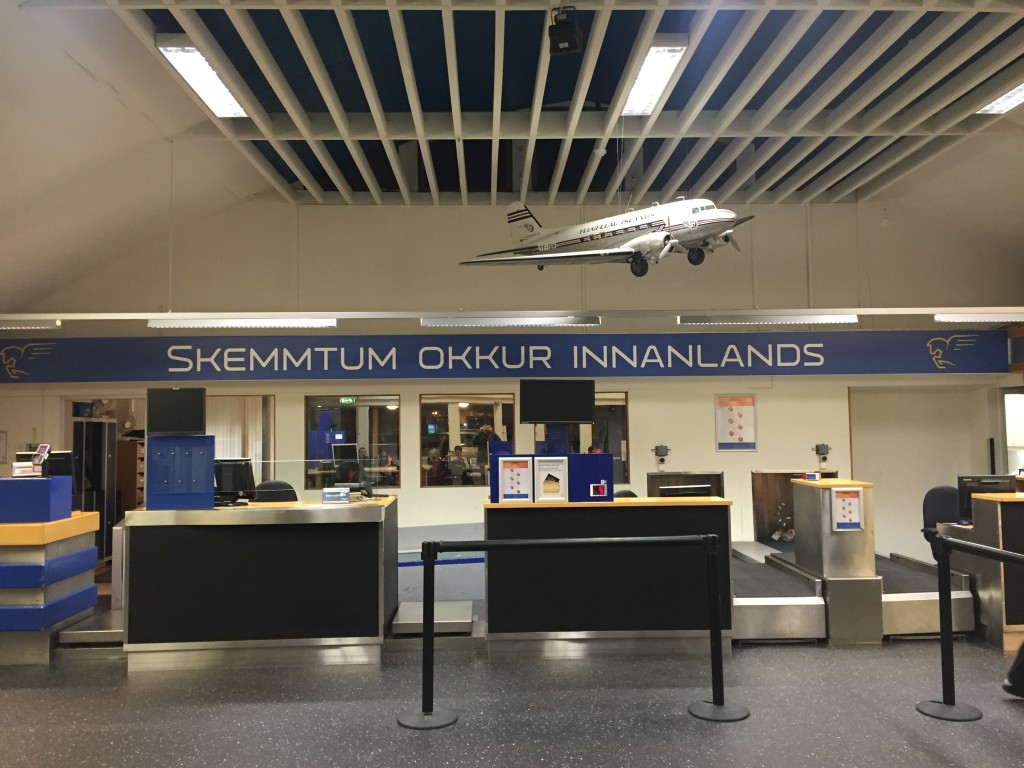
593 449
435 467
482 443
458 468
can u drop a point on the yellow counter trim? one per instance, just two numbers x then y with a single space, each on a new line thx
38 534
1000 497
832 482
640 501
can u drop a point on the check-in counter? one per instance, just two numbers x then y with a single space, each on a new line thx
998 521
604 592
261 583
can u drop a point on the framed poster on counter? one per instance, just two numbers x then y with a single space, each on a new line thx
515 478
551 478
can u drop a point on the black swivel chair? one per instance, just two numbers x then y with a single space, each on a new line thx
625 493
941 505
275 490
349 472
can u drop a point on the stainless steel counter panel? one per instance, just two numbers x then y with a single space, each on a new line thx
263 514
819 549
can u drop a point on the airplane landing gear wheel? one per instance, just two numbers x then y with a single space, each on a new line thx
695 256
639 266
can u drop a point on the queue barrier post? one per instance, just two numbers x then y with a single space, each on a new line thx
948 708
429 718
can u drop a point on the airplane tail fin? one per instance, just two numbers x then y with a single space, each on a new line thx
521 223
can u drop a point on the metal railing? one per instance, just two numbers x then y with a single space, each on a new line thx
948 708
428 717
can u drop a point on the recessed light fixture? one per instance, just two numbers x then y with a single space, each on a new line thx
980 317
244 322
815 319
391 407
1004 103
463 405
195 70
653 77
29 325
510 321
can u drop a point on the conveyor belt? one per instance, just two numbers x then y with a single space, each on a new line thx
764 580
898 578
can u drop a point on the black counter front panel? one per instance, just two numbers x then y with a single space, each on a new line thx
1013 575
252 582
605 588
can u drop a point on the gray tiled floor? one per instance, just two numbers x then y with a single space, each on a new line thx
810 706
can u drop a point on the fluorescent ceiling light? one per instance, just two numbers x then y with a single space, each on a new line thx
1004 103
244 322
981 317
467 321
816 319
201 77
29 325
658 66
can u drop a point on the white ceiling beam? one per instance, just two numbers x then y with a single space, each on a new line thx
315 64
140 25
499 64
838 34
451 59
737 40
395 15
246 29
362 67
543 63
762 69
613 116
204 40
698 27
595 38
987 6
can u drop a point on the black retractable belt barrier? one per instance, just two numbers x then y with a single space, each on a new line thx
429 718
948 709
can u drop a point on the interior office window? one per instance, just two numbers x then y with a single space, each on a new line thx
608 434
352 438
454 434
243 427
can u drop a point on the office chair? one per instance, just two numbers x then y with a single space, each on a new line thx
625 493
941 505
275 490
349 472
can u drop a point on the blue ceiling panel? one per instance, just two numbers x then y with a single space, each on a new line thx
265 149
378 44
523 31
794 60
343 159
228 39
623 27
288 58
746 63
330 45
474 51
425 33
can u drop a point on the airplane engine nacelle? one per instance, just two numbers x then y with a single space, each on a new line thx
652 245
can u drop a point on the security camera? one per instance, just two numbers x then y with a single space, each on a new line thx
822 449
661 459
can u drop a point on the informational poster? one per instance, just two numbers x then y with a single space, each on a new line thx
515 478
846 509
550 478
735 423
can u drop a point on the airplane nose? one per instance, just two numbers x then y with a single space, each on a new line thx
730 214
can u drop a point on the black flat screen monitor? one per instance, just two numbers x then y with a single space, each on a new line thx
344 452
556 401
968 484
62 463
232 480
176 411
365 489
685 490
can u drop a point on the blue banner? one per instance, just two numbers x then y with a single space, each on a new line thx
253 358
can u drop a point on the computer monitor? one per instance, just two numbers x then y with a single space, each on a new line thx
970 484
62 463
556 401
176 411
364 488
344 452
233 480
685 490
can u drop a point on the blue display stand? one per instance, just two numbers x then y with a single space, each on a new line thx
591 477
179 472
34 499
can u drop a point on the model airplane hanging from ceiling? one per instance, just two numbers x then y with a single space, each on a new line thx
638 238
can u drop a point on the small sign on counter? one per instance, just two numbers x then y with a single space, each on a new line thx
515 478
551 478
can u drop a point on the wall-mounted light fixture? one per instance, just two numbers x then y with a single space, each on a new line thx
201 77
508 321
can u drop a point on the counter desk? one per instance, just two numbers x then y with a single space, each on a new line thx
261 582
626 591
998 521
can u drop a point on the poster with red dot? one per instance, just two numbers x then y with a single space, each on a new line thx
735 425
515 478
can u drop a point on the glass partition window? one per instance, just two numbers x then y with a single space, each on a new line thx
608 434
455 431
352 439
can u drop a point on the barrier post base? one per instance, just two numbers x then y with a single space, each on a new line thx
719 713
428 721
960 713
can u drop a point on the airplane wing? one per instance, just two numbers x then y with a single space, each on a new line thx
540 258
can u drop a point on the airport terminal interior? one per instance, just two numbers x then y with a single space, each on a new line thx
287 372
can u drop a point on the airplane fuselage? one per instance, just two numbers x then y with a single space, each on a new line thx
690 222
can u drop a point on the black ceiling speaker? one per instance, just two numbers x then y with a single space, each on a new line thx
564 34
